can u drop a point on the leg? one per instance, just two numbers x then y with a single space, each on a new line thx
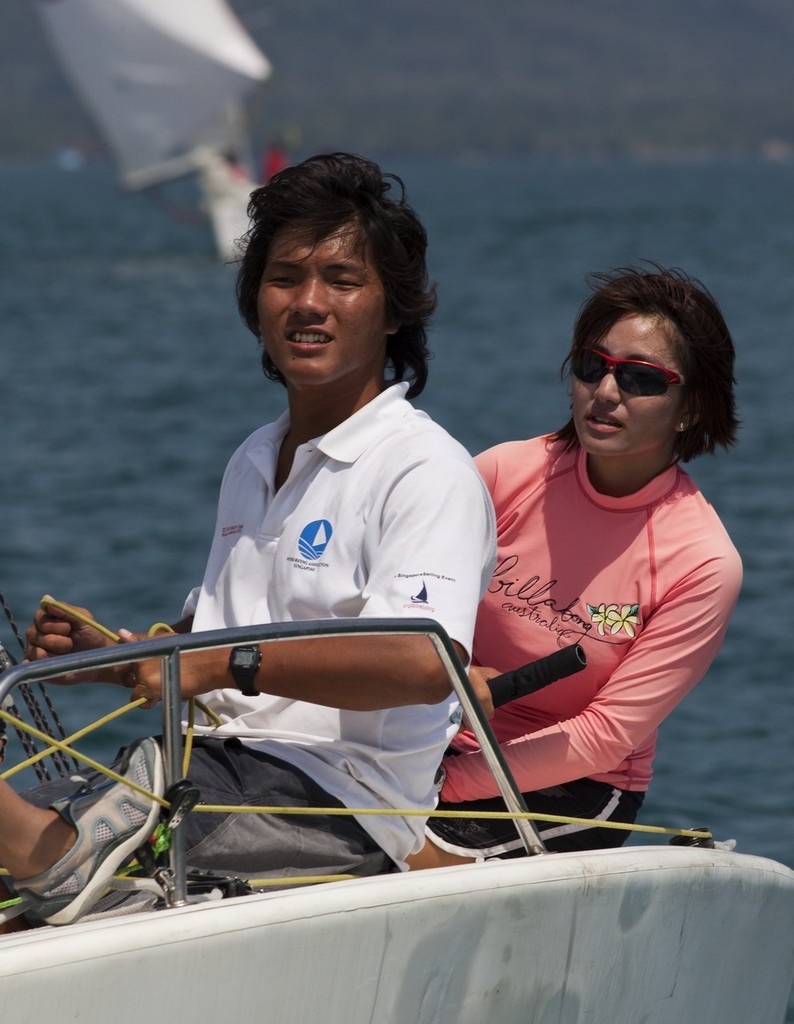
32 838
61 858
432 856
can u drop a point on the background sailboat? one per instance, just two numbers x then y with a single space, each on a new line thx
165 83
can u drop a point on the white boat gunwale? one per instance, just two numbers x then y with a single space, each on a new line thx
663 934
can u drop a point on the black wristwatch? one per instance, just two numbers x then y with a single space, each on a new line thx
244 664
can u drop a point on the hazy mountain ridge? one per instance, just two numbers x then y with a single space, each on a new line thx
576 77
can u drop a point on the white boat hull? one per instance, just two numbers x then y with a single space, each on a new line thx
661 935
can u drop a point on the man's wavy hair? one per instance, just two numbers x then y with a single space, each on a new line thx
691 320
318 197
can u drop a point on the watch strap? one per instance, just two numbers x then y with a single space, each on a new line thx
244 664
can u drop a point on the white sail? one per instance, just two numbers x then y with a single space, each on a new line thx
164 79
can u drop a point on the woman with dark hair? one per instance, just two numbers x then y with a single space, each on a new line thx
604 541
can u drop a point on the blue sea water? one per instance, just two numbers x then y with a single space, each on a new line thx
127 379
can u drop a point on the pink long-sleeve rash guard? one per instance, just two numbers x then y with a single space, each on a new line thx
645 583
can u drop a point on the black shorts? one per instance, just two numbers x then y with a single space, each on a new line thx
497 838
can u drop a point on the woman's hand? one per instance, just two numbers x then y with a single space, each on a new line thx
478 677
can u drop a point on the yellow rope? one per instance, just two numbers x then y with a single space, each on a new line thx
255 883
355 811
416 813
69 739
161 627
188 739
58 745
263 883
48 601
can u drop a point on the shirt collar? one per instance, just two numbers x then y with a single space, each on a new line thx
375 420
346 442
654 491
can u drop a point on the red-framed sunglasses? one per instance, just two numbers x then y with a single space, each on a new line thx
634 376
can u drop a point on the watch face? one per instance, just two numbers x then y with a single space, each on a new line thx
245 658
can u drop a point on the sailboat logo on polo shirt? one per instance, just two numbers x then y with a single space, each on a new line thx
314 539
419 599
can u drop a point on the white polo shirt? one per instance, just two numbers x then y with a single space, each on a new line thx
383 516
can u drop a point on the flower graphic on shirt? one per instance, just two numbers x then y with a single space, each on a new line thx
611 618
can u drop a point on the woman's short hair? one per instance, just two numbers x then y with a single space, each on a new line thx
691 319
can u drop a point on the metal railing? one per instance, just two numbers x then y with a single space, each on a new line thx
168 649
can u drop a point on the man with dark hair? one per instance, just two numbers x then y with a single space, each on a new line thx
383 224
352 503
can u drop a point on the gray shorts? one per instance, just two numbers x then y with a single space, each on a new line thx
260 845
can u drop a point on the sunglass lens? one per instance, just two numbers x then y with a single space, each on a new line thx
589 367
641 380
